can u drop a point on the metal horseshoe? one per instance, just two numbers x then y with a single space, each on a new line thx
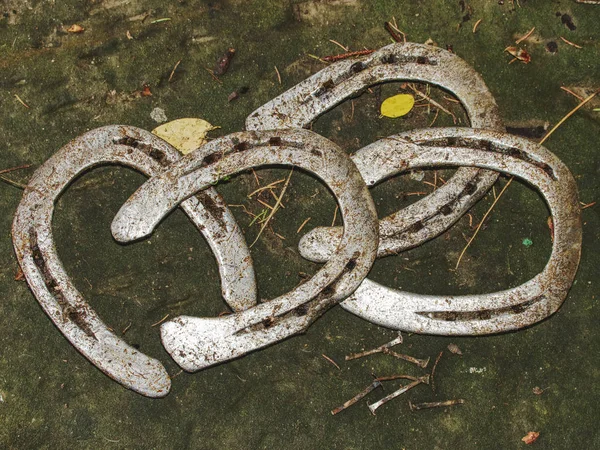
37 256
302 104
196 343
497 312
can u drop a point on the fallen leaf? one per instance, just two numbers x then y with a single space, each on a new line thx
397 106
75 29
224 61
519 54
530 437
185 135
19 276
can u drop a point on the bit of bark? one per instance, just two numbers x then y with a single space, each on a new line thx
224 61
390 29
20 276
530 437
75 29
567 20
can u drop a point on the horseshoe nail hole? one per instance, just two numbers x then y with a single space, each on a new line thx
275 141
154 153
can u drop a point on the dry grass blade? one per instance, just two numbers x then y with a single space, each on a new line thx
481 223
275 208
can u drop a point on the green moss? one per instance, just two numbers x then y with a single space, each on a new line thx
282 396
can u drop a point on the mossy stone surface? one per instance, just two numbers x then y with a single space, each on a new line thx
281 397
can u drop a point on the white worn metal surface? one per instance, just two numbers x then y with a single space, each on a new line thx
196 343
64 304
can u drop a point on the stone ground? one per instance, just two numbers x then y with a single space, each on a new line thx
281 397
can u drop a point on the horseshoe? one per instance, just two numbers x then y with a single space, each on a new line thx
302 104
196 343
497 312
37 256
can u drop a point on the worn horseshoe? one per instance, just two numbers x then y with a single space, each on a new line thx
303 103
36 251
196 343
497 312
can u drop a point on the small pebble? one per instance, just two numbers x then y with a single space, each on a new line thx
158 115
417 175
454 349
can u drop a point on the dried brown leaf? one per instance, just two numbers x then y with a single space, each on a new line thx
75 29
530 437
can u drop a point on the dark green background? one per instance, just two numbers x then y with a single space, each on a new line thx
281 397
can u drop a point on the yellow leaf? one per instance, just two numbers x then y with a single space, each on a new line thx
185 135
397 106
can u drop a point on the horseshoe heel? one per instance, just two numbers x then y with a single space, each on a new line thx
472 314
302 104
196 343
36 251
